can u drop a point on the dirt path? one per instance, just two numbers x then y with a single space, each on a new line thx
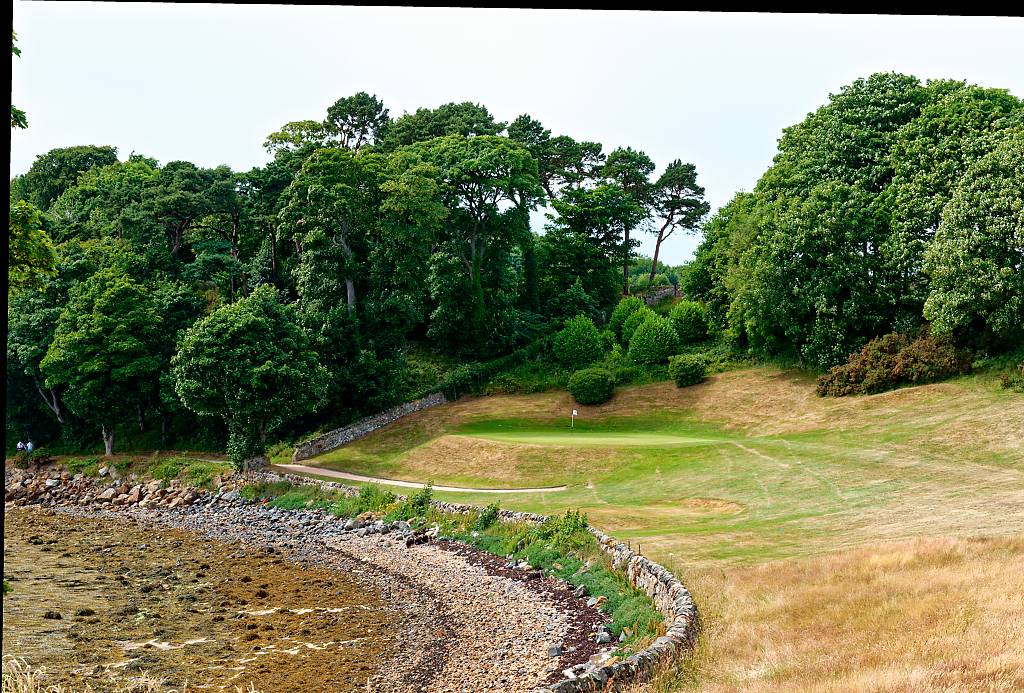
321 471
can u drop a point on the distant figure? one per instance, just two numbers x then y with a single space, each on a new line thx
21 446
29 446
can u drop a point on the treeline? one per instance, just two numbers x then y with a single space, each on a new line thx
188 305
894 207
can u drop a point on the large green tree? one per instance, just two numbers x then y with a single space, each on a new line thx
631 170
466 119
488 185
30 254
251 364
679 203
105 351
58 170
976 262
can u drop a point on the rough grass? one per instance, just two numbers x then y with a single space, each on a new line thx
821 537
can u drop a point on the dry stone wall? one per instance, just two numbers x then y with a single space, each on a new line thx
340 436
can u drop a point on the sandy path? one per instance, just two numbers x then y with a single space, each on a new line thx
320 471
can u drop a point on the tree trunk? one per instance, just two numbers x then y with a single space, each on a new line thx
350 295
625 267
108 441
273 253
142 419
54 404
657 246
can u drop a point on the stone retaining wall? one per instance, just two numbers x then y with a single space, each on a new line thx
339 436
669 595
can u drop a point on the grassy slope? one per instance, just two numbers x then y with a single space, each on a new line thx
795 519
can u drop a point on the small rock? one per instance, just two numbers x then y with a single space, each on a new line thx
53 615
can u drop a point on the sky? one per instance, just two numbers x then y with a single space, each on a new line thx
206 83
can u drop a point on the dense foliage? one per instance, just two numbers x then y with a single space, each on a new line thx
653 341
634 321
250 364
579 343
690 321
591 386
376 233
687 369
625 308
895 203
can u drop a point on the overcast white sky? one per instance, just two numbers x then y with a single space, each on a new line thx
207 83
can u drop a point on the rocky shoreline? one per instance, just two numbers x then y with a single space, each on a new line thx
473 621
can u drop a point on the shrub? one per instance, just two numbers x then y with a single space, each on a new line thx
626 307
687 369
633 322
653 341
607 339
415 504
894 359
371 498
488 516
579 343
87 466
690 321
591 386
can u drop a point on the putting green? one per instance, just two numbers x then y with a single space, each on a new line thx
581 438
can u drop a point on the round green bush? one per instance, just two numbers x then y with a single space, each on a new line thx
579 343
653 341
591 386
633 322
687 369
627 306
690 321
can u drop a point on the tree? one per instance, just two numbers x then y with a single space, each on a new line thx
489 184
357 120
976 263
30 254
337 193
105 351
561 161
814 281
18 117
631 170
58 170
466 119
585 240
679 202
251 364
178 198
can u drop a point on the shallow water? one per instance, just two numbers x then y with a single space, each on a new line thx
178 608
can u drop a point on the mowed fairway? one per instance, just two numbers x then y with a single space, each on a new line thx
869 543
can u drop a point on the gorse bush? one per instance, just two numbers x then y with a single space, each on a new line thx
687 369
892 360
690 321
634 321
626 307
653 341
591 386
579 343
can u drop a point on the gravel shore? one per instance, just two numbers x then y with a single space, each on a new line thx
469 622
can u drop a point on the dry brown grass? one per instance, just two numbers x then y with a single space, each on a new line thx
511 464
924 615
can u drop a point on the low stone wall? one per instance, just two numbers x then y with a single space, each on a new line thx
669 595
659 294
339 436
